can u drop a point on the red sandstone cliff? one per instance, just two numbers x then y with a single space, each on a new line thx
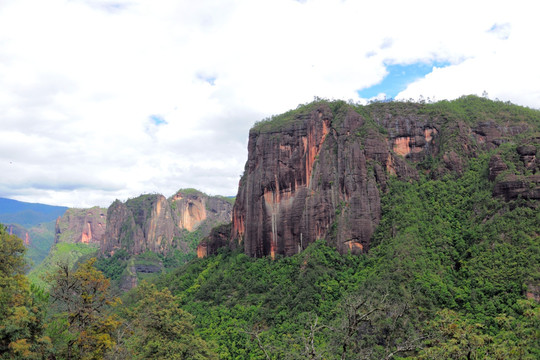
194 210
20 232
140 224
318 171
85 226
152 222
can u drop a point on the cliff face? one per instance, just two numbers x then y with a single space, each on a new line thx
21 233
139 224
521 181
85 226
194 210
218 238
152 222
318 171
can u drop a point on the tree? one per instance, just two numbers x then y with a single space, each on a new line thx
162 330
83 325
21 310
455 337
374 327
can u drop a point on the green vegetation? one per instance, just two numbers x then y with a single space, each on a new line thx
445 278
113 266
42 239
22 306
60 253
229 199
191 191
291 117
473 109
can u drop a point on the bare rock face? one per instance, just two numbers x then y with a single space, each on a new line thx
496 167
193 210
218 238
527 154
318 172
523 179
152 222
533 292
320 177
85 226
21 233
139 224
513 186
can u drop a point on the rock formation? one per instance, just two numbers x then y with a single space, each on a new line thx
140 224
152 222
218 238
21 233
85 226
318 171
193 210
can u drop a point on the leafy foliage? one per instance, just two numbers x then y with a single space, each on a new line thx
21 306
446 256
162 330
82 325
60 253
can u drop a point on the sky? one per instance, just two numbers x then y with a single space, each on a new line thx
109 99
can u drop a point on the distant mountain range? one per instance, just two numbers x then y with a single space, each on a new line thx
28 214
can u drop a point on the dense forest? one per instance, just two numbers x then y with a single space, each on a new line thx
452 273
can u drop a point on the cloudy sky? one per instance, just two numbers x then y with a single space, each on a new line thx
107 99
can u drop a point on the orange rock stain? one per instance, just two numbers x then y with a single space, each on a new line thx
202 250
312 147
402 145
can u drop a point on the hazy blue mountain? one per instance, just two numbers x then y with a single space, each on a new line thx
28 214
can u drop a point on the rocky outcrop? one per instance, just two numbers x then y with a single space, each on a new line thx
318 171
21 233
140 224
496 167
152 222
85 226
522 178
513 186
533 292
218 238
194 210
320 177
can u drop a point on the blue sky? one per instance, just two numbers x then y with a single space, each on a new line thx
158 120
398 77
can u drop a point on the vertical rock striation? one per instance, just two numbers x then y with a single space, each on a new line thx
152 222
85 226
140 224
318 171
318 177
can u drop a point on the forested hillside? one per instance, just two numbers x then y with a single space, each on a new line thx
449 276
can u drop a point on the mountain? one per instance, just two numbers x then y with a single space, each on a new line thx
321 170
28 214
85 226
397 230
149 233
153 223
37 240
33 223
394 230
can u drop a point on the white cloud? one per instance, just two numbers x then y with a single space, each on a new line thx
80 80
